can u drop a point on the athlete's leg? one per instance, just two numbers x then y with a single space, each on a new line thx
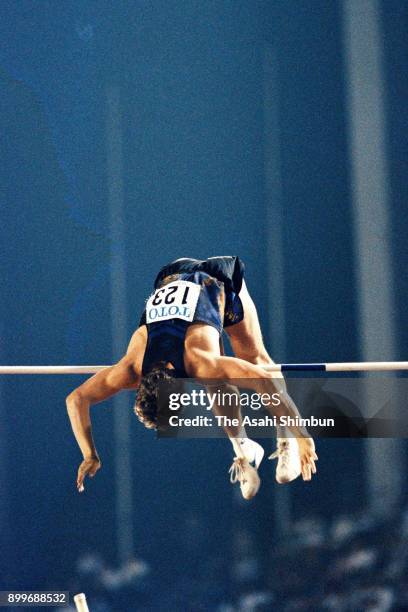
246 336
227 406
247 343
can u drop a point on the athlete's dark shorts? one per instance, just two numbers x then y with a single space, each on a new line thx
228 270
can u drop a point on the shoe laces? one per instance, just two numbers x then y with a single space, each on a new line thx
237 470
282 452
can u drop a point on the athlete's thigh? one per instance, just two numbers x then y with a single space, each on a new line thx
246 336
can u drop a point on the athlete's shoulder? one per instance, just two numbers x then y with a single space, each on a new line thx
138 340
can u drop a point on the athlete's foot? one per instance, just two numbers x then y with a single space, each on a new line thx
289 466
243 472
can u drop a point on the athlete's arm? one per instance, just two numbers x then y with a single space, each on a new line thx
232 369
104 384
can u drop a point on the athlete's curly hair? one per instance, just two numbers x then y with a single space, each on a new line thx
146 405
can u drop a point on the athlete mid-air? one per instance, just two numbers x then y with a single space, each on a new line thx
179 335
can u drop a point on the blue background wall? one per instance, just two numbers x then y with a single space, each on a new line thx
191 78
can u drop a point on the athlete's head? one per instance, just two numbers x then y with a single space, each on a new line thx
146 405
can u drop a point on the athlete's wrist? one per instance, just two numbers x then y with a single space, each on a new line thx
93 455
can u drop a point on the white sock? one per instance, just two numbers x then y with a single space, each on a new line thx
281 432
240 443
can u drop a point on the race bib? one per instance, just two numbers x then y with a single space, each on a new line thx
176 300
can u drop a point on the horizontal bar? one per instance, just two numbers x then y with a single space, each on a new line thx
85 369
355 366
352 366
291 367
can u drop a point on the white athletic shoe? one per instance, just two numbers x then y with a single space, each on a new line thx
243 472
251 450
287 453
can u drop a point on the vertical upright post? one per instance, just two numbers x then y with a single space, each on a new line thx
372 244
274 245
123 473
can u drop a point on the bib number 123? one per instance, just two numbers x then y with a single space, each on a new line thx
177 300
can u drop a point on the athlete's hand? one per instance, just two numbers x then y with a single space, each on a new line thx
88 467
308 457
